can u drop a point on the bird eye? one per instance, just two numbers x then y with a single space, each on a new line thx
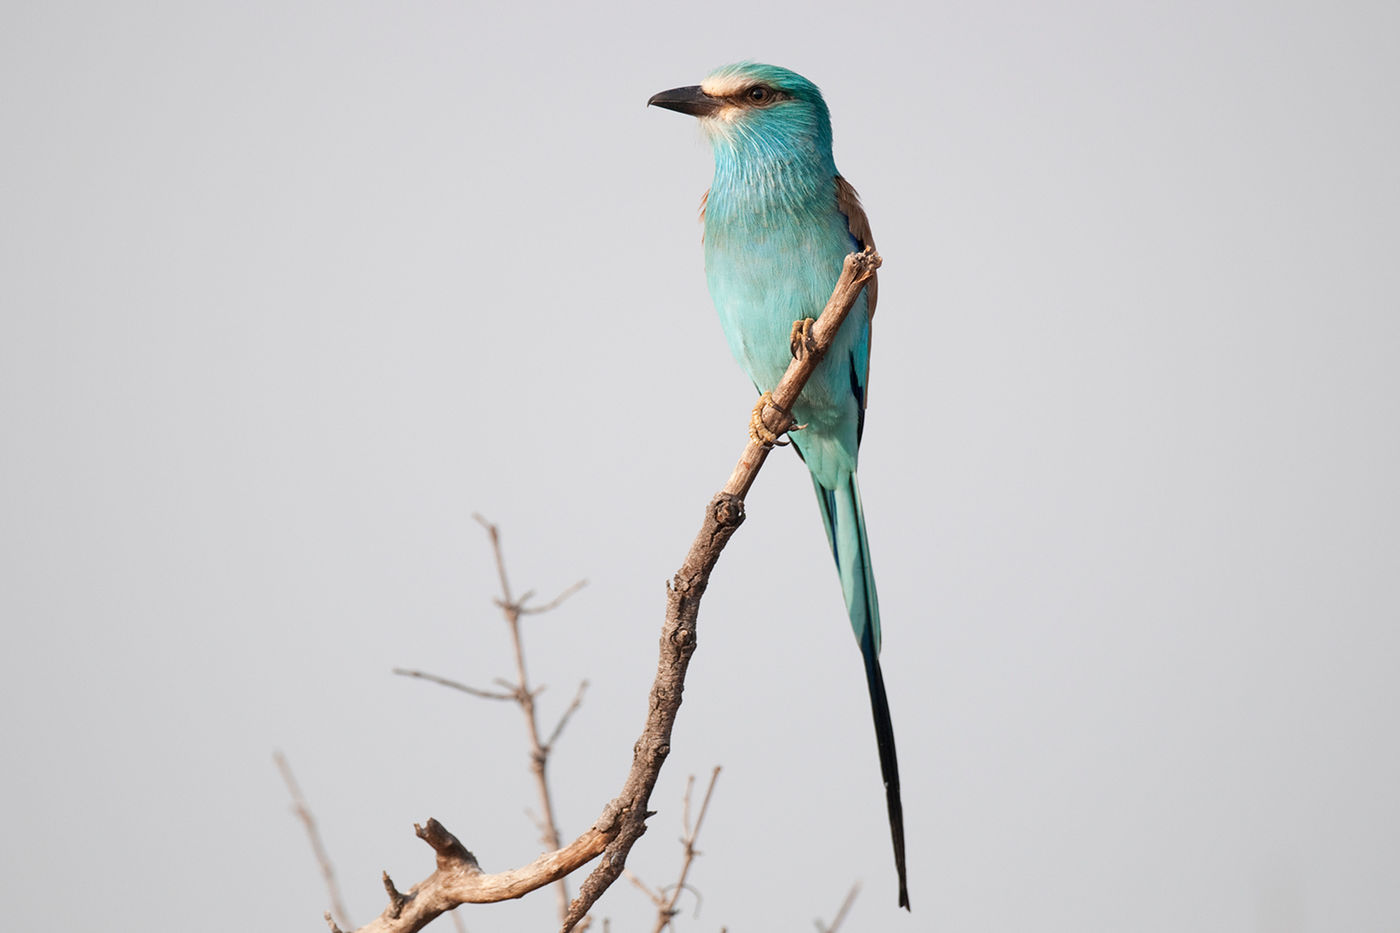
758 94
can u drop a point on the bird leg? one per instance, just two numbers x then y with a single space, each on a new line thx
801 341
758 428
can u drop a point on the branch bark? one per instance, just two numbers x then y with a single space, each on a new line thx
458 878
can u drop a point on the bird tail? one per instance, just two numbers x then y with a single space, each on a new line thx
845 532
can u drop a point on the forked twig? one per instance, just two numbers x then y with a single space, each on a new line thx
523 694
666 909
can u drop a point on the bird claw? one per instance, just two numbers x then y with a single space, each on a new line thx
801 340
759 430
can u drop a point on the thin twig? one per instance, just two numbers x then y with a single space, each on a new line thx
666 906
474 691
564 719
494 533
653 896
554 603
840 914
303 812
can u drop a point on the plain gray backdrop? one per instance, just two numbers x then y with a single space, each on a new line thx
290 290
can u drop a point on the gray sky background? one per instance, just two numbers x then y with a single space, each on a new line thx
290 290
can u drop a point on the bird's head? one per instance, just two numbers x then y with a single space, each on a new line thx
754 106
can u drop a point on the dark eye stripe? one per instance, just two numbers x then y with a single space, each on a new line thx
762 94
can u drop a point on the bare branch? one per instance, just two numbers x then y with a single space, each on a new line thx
840 914
654 896
323 859
495 536
553 603
564 719
513 609
666 906
474 691
704 804
521 692
685 804
459 880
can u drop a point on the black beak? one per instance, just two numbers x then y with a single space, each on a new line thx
689 100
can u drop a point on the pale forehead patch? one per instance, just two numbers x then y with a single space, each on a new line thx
726 83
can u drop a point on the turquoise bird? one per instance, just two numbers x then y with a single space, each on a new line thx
779 220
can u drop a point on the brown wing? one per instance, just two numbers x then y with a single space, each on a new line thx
848 203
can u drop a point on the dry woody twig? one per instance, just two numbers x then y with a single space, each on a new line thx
666 899
303 812
841 912
523 694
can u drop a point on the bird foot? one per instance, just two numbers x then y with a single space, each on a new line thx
801 341
758 428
